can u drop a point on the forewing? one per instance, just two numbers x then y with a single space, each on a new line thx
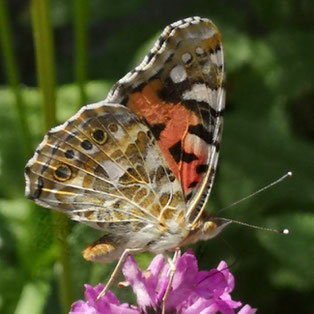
178 91
101 167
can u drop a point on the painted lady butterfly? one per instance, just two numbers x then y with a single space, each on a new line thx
140 165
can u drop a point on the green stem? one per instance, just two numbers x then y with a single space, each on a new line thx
61 230
12 76
81 10
44 59
46 76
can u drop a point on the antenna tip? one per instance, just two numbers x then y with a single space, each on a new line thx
289 173
284 231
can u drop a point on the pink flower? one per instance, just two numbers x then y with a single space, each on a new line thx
108 304
191 291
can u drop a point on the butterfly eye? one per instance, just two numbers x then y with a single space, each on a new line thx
99 136
62 173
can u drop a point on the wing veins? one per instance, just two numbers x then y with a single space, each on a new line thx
96 192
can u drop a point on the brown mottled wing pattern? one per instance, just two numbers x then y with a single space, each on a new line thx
102 167
178 91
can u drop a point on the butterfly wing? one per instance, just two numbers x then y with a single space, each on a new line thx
103 167
178 91
140 165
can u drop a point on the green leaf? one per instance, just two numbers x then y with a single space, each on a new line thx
32 298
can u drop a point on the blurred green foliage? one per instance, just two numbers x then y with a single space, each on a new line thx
269 130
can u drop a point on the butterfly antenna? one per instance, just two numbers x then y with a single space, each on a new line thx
288 174
283 231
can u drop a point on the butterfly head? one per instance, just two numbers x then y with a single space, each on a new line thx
212 227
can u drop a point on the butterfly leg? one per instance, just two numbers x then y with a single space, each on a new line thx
117 269
170 274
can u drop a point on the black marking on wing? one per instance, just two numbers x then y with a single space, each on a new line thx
176 151
188 196
201 132
156 129
87 145
172 92
193 184
195 106
218 48
40 185
149 56
45 167
124 101
170 57
69 154
67 139
187 157
98 135
139 88
217 145
54 149
62 172
201 169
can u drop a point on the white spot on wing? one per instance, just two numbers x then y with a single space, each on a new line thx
207 67
199 51
198 92
193 144
178 74
119 134
114 172
186 57
206 33
221 99
216 58
152 159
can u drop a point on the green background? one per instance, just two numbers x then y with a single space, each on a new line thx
269 130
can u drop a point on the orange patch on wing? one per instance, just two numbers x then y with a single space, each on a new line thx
176 118
188 171
96 251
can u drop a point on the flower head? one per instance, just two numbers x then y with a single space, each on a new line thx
192 291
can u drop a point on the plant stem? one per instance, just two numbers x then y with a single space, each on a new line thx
46 76
81 12
44 59
12 76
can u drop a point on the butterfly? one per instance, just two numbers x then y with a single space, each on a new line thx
140 165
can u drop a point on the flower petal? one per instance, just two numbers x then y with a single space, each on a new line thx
223 267
186 270
226 298
82 307
199 306
108 304
145 297
154 268
191 292
210 283
184 281
247 310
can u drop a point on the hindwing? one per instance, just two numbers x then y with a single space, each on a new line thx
103 167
